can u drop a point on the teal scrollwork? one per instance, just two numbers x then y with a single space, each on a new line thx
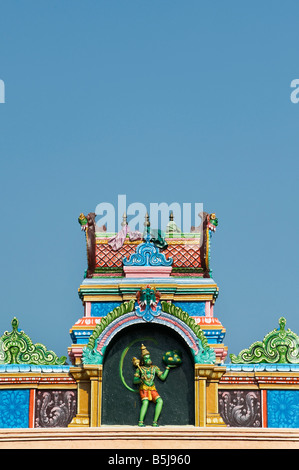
279 346
147 254
17 348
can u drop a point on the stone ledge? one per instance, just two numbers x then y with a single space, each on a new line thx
164 437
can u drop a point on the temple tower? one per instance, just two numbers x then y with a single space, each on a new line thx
153 288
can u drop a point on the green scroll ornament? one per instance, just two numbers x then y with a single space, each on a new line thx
279 346
17 348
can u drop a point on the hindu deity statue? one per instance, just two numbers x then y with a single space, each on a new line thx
145 376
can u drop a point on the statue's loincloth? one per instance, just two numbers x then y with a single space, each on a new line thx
148 393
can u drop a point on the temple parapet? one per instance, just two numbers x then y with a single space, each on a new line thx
190 252
175 263
151 285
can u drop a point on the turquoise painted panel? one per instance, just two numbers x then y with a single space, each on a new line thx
194 309
283 408
101 309
213 336
81 336
14 408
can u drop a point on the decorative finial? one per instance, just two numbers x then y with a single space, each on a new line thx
171 216
282 323
15 323
147 221
147 224
124 222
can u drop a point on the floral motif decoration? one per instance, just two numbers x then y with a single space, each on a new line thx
240 408
283 408
55 408
14 408
278 346
17 348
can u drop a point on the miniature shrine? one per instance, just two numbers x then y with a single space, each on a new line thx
149 347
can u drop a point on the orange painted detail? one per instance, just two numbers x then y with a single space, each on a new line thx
31 408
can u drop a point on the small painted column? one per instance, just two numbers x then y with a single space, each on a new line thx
213 416
83 392
95 373
89 401
200 399
206 379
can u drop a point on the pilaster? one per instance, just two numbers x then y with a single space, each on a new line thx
206 380
83 402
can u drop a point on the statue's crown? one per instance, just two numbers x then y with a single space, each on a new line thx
144 351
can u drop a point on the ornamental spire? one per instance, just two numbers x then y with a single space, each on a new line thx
17 348
278 346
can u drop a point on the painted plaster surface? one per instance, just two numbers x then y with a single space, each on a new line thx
283 408
165 437
193 308
14 408
101 309
125 281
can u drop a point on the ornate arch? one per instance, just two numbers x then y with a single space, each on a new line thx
167 314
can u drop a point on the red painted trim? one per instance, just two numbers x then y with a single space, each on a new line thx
31 407
264 409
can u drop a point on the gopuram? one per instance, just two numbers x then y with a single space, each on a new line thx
148 349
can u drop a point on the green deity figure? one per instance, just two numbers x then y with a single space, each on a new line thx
145 376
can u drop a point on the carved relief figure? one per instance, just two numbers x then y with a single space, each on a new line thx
145 376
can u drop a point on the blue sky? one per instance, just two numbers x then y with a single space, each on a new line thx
164 101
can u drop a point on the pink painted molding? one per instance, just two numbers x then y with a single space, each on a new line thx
87 309
147 271
209 310
221 352
75 353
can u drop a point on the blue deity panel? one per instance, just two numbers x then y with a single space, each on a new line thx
14 408
283 408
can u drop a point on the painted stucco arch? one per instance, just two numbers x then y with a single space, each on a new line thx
94 352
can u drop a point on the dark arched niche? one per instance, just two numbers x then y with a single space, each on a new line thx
120 406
